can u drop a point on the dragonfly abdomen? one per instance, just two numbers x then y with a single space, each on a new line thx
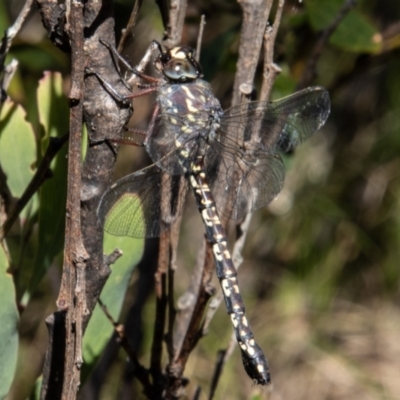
254 360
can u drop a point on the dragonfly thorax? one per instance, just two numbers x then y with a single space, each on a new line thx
189 116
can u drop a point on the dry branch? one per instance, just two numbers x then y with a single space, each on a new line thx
103 116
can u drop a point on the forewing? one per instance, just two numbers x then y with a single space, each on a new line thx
248 141
280 125
132 205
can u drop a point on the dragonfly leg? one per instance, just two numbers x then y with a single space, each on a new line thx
150 129
138 70
146 133
130 140
124 99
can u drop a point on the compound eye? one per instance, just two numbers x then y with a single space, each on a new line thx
180 70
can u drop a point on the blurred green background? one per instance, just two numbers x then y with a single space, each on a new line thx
320 275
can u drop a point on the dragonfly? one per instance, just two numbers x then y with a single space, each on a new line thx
222 154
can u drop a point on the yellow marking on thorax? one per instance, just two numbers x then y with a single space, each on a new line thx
190 106
186 129
184 153
188 92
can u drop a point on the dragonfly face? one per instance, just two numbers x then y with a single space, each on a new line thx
178 64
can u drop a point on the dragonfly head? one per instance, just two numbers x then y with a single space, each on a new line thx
178 64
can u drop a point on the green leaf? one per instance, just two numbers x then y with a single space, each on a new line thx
17 147
53 114
100 329
53 108
354 33
322 13
9 327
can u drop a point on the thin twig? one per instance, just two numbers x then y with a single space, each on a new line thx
9 35
160 280
194 331
169 241
171 305
217 373
310 71
172 267
270 69
42 173
13 30
127 33
222 358
200 36
187 300
141 373
197 393
111 258
8 73
164 278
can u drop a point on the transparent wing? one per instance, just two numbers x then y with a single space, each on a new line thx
280 125
251 134
132 205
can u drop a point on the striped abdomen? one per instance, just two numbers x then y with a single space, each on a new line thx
254 361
